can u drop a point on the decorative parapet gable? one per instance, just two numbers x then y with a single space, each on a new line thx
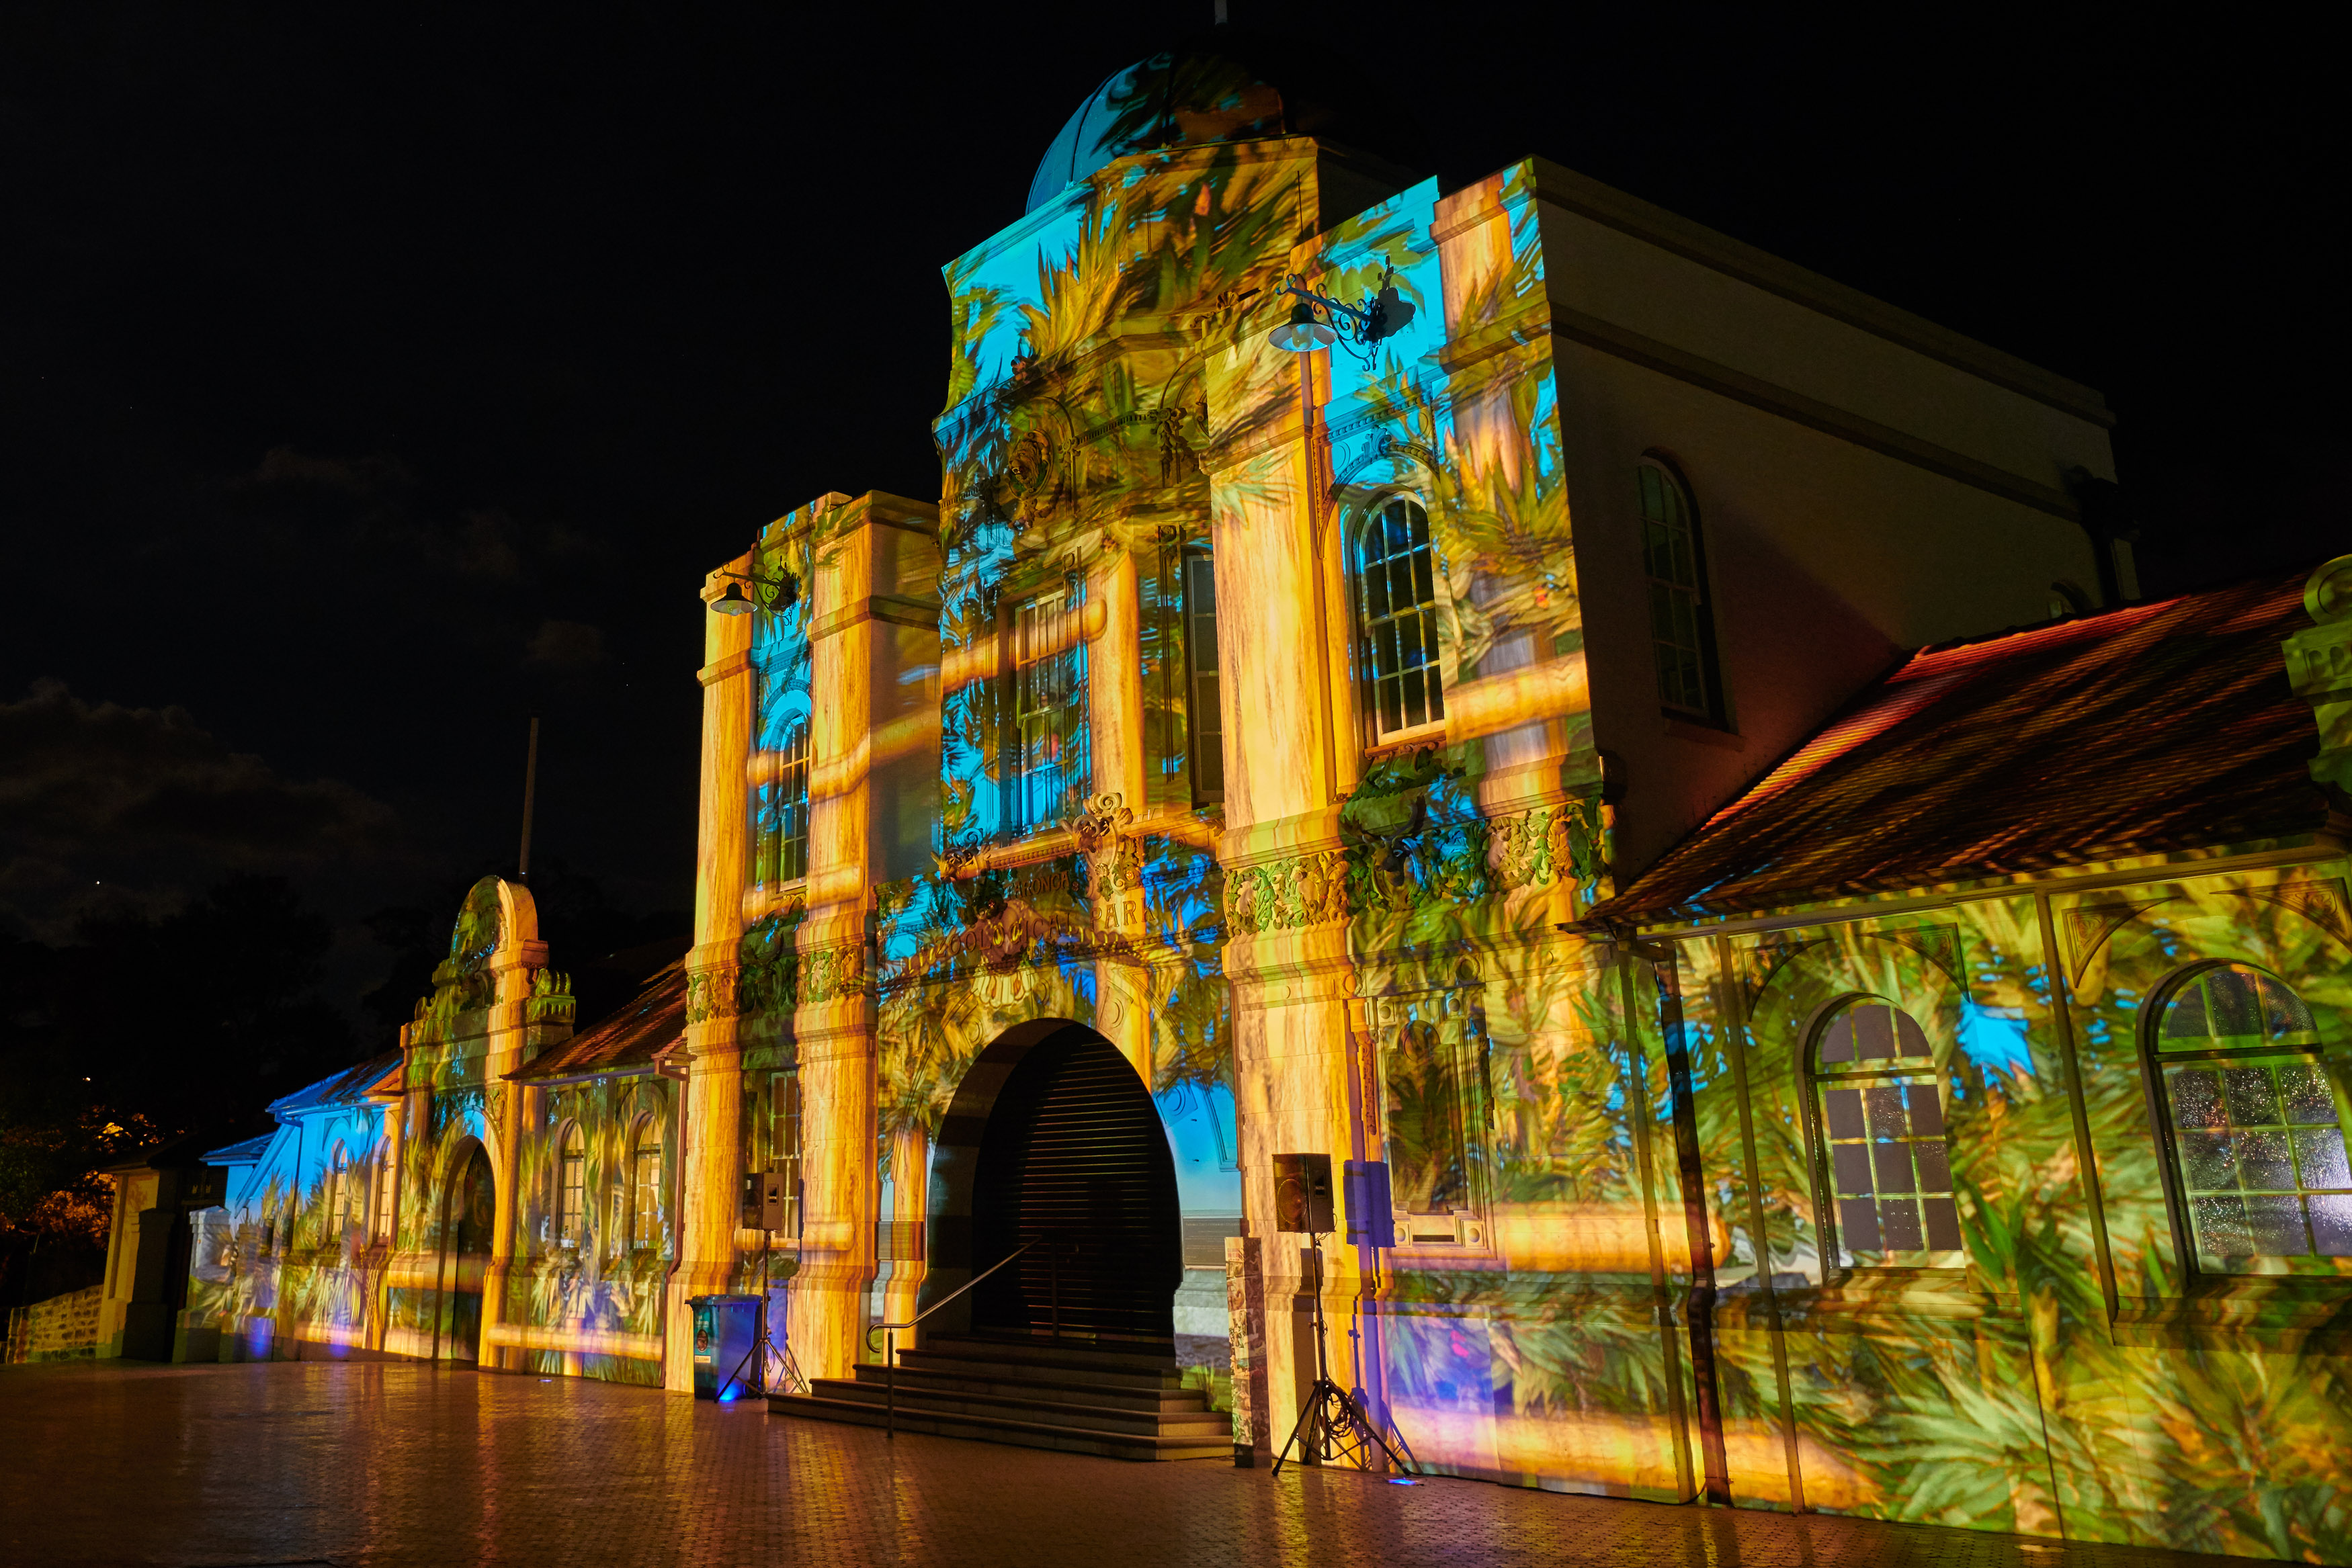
496 933
2319 667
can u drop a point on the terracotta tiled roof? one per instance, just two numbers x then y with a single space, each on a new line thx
625 1041
2159 726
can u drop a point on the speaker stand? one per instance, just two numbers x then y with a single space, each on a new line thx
1332 1428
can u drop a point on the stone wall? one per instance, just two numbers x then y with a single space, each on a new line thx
63 1328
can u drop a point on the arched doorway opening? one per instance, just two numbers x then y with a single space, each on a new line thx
469 1207
1054 1141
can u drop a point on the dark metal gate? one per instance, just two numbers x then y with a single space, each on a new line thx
1074 1159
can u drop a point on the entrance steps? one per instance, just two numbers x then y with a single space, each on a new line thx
1034 1393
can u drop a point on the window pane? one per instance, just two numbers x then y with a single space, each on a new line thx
1416 711
2319 1154
1844 1106
1883 1102
1927 1111
2276 1225
1425 590
1837 1040
1858 1224
1899 1225
2208 1162
1935 1168
1657 552
2331 1225
1392 696
1409 650
2302 1086
2229 993
2186 1020
2263 1163
1943 1223
1436 694
2220 1225
1891 1163
2252 1100
2195 1098
1873 1032
1853 1168
1909 1040
2284 1013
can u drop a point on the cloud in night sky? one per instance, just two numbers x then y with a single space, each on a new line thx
567 645
89 791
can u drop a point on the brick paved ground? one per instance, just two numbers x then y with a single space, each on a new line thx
395 1464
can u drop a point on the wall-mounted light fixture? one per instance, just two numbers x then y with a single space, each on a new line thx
783 591
1318 320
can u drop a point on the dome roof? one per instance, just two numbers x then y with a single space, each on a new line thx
1226 85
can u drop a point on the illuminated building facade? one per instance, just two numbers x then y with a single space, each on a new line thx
1643 766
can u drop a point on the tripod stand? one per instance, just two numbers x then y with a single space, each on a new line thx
766 1348
1332 1424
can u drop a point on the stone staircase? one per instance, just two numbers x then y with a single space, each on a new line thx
1034 1393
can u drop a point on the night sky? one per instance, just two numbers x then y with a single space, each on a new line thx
373 379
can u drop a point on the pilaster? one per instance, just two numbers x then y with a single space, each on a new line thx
711 1163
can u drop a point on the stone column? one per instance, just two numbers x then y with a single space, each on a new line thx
521 956
710 1165
1291 753
833 1023
1115 746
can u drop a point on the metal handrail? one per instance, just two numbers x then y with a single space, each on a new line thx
890 1339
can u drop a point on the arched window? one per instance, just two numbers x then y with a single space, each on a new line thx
2255 1120
1396 595
1682 623
572 1189
645 1186
387 1174
1207 747
779 813
1045 745
339 1200
1882 1126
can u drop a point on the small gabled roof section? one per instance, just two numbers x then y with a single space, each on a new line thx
348 1087
625 1041
244 1152
2141 730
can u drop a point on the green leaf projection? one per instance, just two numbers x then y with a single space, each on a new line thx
1235 707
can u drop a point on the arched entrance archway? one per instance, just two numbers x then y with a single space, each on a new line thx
468 1212
1052 1139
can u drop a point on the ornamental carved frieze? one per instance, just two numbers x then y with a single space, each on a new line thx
1287 894
1549 844
711 994
829 973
